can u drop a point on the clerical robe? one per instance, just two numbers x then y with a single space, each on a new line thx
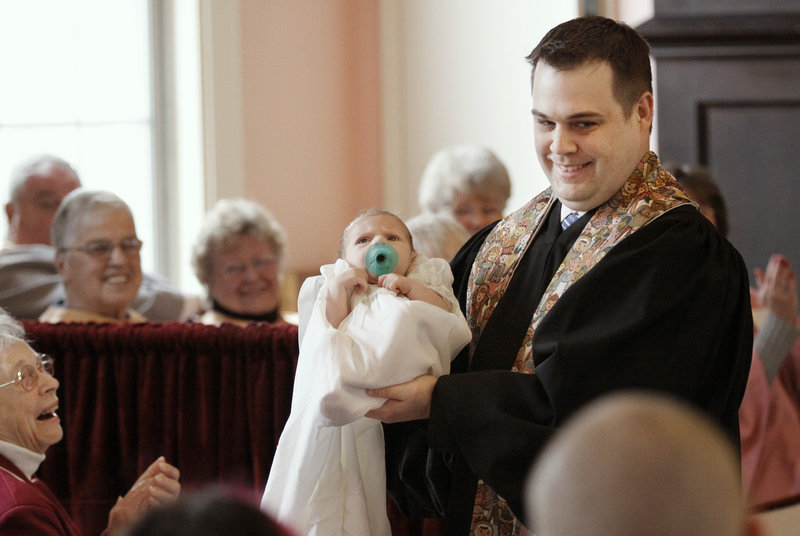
666 309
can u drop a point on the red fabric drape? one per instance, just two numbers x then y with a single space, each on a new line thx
212 400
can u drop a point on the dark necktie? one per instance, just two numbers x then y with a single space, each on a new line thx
571 218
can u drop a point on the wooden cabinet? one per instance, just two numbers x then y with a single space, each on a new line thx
727 77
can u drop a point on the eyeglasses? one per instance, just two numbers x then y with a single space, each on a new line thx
260 264
102 249
28 374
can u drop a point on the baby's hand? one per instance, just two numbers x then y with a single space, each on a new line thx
396 282
354 279
351 279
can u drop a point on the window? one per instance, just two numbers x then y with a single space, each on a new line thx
86 80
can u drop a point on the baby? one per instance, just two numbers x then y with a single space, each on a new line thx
358 331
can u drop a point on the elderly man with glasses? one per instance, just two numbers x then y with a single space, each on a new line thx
28 279
29 425
97 257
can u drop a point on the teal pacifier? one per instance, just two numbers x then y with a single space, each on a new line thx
381 258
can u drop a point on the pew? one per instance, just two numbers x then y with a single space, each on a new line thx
212 400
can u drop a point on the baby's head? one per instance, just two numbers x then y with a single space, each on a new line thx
375 226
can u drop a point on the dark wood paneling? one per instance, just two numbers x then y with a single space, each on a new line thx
686 85
757 172
668 8
728 96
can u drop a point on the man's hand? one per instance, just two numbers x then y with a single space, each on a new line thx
157 485
777 288
407 401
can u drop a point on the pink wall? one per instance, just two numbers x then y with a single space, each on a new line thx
311 94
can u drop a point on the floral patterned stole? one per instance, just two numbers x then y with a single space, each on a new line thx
648 193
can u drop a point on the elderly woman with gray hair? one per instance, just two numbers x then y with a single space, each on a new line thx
468 182
238 257
97 257
29 425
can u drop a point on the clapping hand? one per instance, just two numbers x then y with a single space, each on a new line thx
157 485
777 288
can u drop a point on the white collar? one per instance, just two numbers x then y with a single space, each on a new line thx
26 460
566 211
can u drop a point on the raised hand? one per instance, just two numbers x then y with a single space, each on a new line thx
777 288
158 484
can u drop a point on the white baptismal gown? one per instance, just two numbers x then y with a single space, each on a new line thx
328 476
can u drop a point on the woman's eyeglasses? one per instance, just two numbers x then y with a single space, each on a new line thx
102 249
28 374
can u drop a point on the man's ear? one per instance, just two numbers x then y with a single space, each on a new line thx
644 110
10 211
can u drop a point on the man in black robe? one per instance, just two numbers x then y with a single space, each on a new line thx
641 292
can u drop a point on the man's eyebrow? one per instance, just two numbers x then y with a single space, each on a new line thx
573 117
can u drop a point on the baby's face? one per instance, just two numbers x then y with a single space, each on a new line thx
370 230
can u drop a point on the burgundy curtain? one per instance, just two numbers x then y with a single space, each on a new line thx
212 400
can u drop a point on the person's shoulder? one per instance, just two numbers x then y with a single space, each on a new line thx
684 235
28 256
217 318
53 314
329 271
15 491
689 224
430 270
27 509
310 288
471 246
159 301
423 262
8 479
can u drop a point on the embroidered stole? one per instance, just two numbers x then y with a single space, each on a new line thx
648 193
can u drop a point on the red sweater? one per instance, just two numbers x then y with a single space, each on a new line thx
29 507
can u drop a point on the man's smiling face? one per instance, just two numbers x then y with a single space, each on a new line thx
586 143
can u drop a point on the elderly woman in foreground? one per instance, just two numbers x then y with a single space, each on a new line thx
238 257
29 425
